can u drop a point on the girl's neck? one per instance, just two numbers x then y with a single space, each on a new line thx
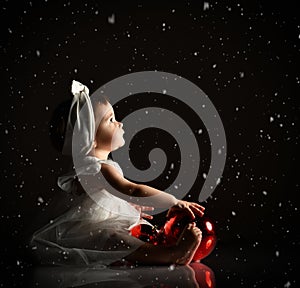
101 154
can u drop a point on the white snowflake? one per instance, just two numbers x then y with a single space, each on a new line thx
172 267
205 6
40 199
111 19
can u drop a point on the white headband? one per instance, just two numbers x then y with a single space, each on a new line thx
82 112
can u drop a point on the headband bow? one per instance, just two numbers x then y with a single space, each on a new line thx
81 122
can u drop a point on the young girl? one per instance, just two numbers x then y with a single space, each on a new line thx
96 229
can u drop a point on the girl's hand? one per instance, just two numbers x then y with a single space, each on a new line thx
185 208
143 208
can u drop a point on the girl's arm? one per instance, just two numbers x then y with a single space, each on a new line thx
117 181
158 197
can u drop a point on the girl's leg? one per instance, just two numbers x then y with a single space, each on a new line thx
181 252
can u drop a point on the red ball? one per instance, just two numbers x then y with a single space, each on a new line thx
208 241
173 228
171 231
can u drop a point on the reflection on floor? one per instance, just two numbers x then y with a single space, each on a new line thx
194 275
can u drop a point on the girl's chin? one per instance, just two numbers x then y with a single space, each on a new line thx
119 145
123 143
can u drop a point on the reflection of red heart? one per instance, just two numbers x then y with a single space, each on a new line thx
204 275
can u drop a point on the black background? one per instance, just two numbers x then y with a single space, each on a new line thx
243 54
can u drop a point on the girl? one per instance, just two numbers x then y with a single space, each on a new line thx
96 229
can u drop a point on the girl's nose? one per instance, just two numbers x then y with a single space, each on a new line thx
120 124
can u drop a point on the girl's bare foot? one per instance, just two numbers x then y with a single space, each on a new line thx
188 243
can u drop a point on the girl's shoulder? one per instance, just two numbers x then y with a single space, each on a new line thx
109 162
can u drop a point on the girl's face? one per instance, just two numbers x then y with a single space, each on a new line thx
109 133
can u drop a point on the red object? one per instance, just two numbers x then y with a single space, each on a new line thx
205 277
171 231
145 232
208 241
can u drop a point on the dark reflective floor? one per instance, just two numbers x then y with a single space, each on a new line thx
228 266
234 265
194 275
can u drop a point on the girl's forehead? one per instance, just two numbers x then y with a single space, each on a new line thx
102 109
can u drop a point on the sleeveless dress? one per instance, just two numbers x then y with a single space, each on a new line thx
94 231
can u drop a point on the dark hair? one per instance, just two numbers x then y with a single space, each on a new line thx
59 120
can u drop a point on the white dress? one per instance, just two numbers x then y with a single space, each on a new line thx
90 232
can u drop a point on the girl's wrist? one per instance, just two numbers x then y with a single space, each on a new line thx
176 201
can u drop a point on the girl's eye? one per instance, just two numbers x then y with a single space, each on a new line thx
112 119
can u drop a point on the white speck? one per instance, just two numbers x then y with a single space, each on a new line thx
287 284
75 70
214 66
172 267
18 262
200 131
218 181
40 199
146 112
111 19
242 74
195 53
9 30
271 119
6 131
175 186
164 91
219 151
277 253
38 53
264 192
204 175
47 108
172 166
205 6
233 213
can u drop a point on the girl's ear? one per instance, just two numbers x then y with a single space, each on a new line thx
94 144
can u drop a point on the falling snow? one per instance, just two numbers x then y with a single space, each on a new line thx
249 73
111 19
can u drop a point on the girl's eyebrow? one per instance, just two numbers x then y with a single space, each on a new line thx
110 114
